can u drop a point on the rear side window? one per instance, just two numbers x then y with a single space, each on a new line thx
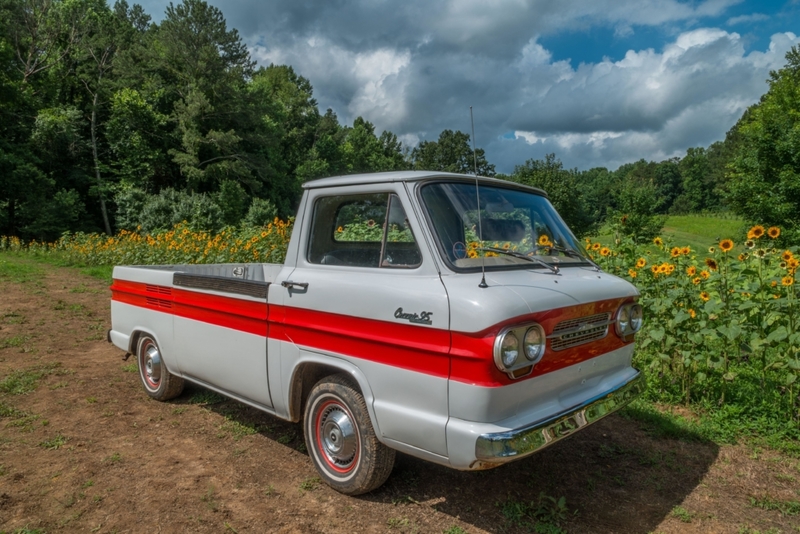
362 231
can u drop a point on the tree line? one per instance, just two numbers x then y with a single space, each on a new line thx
110 121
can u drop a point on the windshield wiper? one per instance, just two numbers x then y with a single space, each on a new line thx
514 254
569 252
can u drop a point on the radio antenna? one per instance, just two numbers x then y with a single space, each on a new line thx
478 199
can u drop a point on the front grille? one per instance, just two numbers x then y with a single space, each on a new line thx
574 332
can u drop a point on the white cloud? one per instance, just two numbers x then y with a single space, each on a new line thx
746 19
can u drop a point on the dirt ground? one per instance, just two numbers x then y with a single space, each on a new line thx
85 450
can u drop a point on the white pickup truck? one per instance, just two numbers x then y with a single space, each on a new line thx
453 318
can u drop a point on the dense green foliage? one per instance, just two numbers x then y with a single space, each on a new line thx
765 172
109 121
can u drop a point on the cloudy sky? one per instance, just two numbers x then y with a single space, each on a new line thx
597 82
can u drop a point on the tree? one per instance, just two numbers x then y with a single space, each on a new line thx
561 186
764 184
450 153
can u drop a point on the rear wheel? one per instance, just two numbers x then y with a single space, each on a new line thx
340 439
158 382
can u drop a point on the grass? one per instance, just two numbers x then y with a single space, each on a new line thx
789 508
22 381
54 443
696 231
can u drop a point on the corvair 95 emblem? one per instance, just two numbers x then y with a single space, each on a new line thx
418 318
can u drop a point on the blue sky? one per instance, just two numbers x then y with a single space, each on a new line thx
597 82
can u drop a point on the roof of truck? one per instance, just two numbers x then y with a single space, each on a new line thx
403 176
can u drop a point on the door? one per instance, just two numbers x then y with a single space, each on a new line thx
374 298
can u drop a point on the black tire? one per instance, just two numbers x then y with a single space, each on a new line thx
341 440
156 379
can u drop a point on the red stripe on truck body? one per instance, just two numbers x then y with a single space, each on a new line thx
463 356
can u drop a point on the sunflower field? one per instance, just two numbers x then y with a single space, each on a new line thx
721 326
181 244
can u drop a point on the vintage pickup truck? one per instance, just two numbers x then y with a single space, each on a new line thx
453 318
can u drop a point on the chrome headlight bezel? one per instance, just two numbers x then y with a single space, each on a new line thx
524 361
629 320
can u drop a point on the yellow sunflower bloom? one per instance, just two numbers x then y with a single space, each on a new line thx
691 270
704 296
774 232
605 251
787 280
641 262
726 245
755 232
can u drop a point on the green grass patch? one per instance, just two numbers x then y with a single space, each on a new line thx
22 381
784 507
206 397
14 341
238 430
54 443
17 269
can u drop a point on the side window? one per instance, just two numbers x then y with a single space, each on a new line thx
362 231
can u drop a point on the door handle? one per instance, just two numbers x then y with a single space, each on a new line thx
290 284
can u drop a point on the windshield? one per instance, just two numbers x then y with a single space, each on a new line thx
519 228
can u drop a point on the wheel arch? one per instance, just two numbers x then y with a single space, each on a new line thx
133 344
312 368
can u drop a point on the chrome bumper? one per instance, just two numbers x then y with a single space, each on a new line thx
501 447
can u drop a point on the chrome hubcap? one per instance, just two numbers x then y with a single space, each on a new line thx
338 436
152 365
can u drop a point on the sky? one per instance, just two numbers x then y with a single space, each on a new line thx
599 83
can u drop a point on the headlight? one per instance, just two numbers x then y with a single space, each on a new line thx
629 320
533 344
507 349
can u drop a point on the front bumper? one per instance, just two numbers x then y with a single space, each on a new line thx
501 447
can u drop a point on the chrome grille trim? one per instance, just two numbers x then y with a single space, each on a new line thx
574 332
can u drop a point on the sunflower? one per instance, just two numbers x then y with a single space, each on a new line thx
686 251
605 251
774 283
787 255
760 253
641 262
544 240
670 268
588 246
675 252
792 264
596 246
654 269
663 268
340 230
705 296
506 246
774 232
473 245
692 313
711 250
749 243
472 254
691 270
787 280
705 274
712 264
697 280
755 232
658 241
632 273
783 265
726 245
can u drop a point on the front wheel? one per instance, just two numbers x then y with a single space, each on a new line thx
340 439
158 382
